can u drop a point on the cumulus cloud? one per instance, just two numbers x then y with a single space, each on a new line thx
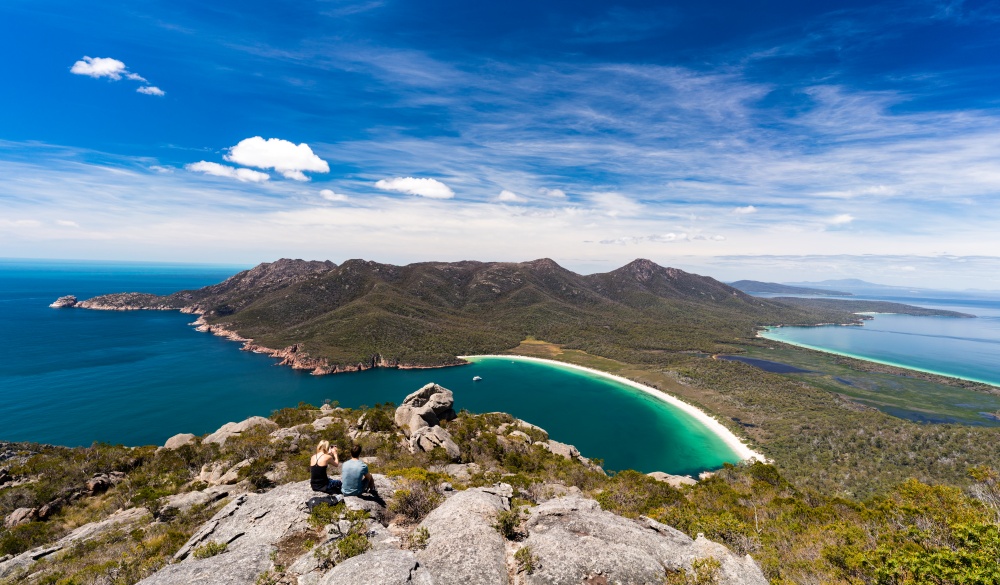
842 219
283 156
329 195
557 193
745 210
113 69
431 188
510 197
98 67
217 170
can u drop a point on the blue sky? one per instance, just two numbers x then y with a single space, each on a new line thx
771 140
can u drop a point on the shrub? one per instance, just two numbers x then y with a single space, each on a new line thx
324 514
703 572
353 545
507 523
209 549
18 539
289 417
526 560
417 540
414 503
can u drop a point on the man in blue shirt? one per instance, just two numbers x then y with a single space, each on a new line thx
355 477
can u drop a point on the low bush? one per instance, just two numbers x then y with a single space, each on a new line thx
209 549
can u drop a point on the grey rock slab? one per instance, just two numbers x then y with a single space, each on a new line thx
321 424
464 548
573 538
567 451
250 525
83 533
179 440
233 429
385 567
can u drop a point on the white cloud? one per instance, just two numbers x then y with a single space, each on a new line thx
97 67
217 170
431 188
510 197
842 219
745 210
283 156
329 195
615 204
557 193
114 70
67 223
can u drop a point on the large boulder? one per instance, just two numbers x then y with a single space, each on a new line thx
575 540
464 548
20 516
672 480
425 408
233 429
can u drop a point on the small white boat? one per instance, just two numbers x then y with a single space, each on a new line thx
476 378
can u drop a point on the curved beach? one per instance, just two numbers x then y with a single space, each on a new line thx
744 452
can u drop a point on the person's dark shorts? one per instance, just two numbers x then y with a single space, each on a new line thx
332 487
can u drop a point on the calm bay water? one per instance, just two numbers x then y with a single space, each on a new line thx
73 376
965 348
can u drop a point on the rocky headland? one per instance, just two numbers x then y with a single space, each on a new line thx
446 512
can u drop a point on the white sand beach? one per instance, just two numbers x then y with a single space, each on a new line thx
711 423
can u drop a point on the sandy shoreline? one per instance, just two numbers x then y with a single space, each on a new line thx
711 423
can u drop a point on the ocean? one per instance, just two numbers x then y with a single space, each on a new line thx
951 346
74 376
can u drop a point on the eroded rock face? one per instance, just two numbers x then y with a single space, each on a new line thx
425 408
574 539
464 548
672 480
233 429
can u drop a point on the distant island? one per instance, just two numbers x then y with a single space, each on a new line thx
756 286
328 318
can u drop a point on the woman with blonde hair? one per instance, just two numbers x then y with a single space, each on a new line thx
318 478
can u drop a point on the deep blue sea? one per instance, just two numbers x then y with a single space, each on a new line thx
965 348
74 376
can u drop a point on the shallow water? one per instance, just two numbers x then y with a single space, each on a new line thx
73 376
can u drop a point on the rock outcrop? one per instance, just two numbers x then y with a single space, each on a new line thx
233 429
419 414
384 567
672 480
64 302
425 408
575 541
116 521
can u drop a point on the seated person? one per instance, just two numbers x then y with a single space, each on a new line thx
355 474
318 479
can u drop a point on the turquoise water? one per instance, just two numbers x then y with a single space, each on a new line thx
964 348
72 376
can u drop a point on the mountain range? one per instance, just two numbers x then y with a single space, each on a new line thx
429 313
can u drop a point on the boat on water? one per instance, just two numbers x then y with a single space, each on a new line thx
476 378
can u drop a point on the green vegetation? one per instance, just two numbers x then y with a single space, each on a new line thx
508 523
209 549
866 307
525 559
